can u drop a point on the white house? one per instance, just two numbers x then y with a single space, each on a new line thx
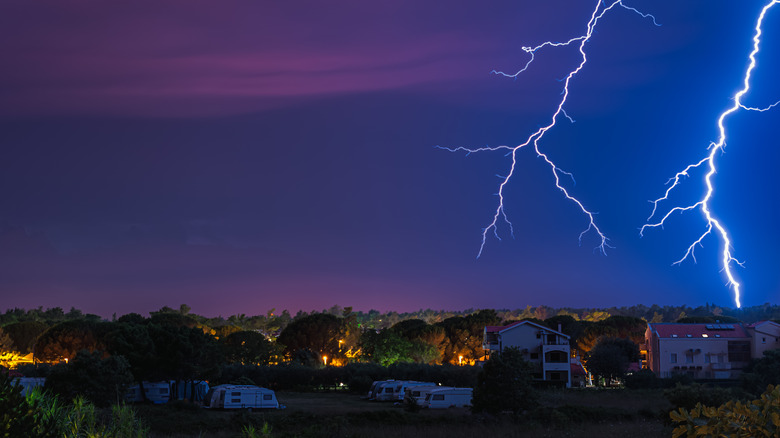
546 349
766 336
701 351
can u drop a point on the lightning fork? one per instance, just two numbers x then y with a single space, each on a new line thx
602 8
703 204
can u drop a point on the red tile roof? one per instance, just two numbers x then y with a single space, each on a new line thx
578 370
668 330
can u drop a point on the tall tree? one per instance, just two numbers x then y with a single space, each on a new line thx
504 384
66 339
319 332
611 357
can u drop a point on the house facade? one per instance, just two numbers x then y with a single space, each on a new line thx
766 336
701 351
547 350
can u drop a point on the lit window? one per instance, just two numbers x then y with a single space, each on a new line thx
705 335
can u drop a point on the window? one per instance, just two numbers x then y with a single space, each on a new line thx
739 351
673 358
707 358
389 390
235 400
438 397
267 397
715 358
763 340
689 358
235 394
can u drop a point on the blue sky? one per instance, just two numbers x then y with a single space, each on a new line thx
242 157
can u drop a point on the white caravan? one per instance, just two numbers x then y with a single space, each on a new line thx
418 393
156 392
241 397
448 398
376 387
386 391
403 386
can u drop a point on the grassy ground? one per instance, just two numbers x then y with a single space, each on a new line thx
573 413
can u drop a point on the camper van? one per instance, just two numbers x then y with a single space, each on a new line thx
156 392
448 398
402 386
241 397
376 387
418 393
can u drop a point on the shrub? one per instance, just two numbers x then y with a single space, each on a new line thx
689 396
758 418
642 379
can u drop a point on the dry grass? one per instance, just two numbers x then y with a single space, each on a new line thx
618 413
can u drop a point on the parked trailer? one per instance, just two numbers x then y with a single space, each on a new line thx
156 392
403 386
386 391
418 393
448 398
28 383
241 397
376 387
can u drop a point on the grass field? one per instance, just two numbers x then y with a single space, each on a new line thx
573 413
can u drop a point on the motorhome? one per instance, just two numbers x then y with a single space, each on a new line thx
156 392
448 398
241 397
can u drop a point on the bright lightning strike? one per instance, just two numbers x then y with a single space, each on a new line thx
602 8
703 204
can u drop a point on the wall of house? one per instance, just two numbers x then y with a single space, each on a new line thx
766 336
701 358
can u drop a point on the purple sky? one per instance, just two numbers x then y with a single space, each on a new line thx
243 156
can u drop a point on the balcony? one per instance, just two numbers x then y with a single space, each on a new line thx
557 366
721 366
556 347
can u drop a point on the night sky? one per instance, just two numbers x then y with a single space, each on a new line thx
240 156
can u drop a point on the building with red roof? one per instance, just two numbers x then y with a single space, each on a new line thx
546 349
707 351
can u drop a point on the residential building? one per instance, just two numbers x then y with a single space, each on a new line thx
701 351
766 336
547 350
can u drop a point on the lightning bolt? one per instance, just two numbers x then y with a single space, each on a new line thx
703 204
534 138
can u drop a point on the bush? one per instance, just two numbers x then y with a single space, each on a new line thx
642 379
689 396
504 384
759 418
102 381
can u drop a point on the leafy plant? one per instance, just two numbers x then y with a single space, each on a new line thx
757 418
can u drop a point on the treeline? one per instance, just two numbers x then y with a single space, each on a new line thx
273 322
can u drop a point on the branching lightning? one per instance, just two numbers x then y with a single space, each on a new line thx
601 9
703 204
